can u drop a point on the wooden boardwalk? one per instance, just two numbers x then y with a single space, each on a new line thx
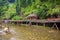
44 21
40 21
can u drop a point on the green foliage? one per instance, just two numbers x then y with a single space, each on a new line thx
16 17
53 11
3 7
11 11
41 8
41 13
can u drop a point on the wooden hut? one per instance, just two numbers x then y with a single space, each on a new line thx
55 17
32 16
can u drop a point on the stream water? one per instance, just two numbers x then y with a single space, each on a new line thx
18 32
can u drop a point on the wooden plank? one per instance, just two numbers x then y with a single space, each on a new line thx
40 21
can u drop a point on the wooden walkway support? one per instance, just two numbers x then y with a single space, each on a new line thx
55 25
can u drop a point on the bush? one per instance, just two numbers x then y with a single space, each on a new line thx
42 11
16 17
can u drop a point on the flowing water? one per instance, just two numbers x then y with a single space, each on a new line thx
26 32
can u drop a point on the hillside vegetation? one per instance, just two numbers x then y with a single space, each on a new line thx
19 9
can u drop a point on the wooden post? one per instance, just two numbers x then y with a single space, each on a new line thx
55 26
44 24
30 23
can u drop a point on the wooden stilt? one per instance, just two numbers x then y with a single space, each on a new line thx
29 23
55 25
44 24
